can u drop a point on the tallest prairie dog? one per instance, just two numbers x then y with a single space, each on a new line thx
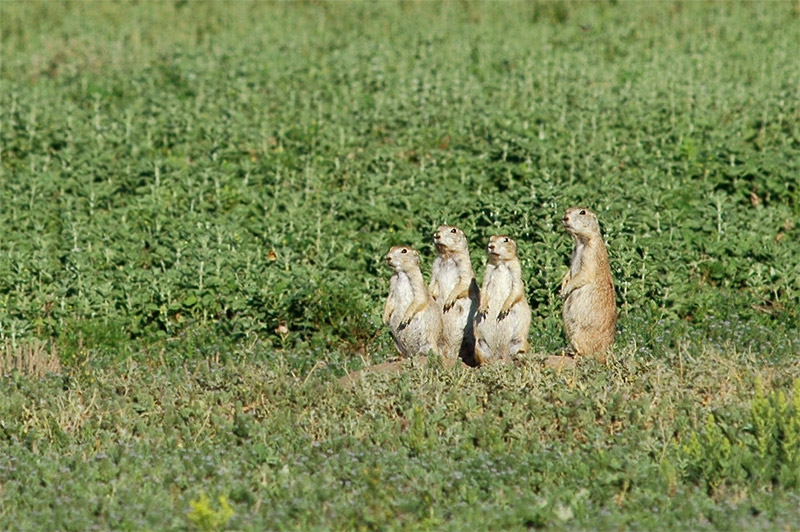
455 291
590 310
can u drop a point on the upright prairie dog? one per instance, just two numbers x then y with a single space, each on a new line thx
412 315
590 306
504 317
455 291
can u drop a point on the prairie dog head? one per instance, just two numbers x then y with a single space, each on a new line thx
402 258
581 222
501 248
449 240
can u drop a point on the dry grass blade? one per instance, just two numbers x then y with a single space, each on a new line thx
31 357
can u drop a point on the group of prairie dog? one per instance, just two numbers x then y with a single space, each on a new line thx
450 316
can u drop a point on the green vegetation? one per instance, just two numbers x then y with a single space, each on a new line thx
204 517
195 198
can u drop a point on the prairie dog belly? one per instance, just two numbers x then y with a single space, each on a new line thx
418 337
498 289
495 335
506 338
447 275
588 324
579 305
577 258
402 293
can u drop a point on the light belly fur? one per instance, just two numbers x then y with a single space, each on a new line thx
493 334
447 275
403 295
414 338
577 257
455 320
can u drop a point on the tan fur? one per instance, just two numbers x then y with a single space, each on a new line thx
413 317
504 317
590 306
455 292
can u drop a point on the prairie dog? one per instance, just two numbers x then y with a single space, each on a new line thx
411 313
504 317
455 291
590 306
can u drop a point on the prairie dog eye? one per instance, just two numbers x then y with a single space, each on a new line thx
453 230
582 212
404 250
505 239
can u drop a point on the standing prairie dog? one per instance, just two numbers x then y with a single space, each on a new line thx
411 313
455 291
590 306
504 317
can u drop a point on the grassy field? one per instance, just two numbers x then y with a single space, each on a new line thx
195 198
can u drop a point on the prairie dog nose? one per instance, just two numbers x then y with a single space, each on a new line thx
566 218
